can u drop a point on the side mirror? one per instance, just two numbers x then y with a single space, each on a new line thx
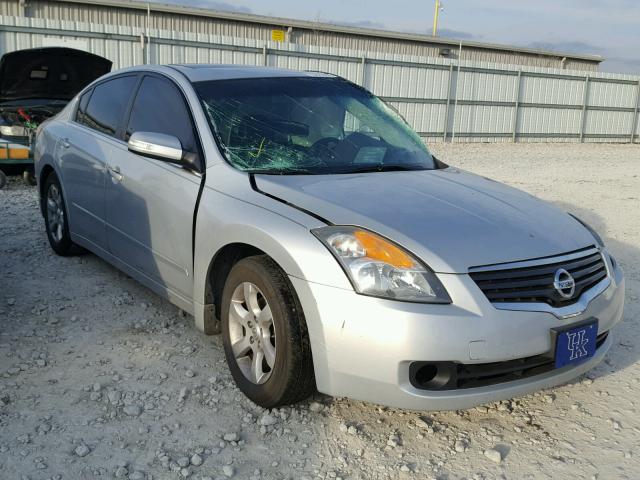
157 145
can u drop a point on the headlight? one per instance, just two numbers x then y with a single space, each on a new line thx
13 130
379 268
591 230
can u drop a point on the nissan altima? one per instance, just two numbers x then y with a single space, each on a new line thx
300 216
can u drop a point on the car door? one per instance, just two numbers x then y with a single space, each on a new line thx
150 203
82 153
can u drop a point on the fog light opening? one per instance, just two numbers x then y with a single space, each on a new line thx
426 374
432 375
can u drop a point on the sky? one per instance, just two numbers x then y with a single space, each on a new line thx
610 28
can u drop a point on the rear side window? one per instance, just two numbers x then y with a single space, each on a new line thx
108 104
82 106
160 108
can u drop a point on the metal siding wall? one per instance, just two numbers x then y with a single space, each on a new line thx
548 121
609 123
552 90
407 81
479 104
423 118
10 8
611 94
106 15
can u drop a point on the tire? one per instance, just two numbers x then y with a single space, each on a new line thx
3 180
289 378
55 219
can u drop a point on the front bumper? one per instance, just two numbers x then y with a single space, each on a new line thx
363 346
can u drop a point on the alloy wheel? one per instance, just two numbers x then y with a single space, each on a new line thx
55 213
252 333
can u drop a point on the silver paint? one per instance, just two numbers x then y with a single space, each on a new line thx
452 220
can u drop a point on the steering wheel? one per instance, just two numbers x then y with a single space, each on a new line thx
325 147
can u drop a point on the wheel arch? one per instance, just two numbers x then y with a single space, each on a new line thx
213 262
220 267
46 170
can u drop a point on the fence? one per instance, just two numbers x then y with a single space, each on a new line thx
442 99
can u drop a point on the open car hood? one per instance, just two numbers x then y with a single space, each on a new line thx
48 73
451 219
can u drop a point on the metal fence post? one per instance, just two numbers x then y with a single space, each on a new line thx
455 102
585 100
363 71
264 55
516 107
446 111
634 122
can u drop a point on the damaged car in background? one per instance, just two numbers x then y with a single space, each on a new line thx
301 216
35 85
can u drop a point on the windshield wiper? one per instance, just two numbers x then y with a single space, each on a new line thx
381 167
282 171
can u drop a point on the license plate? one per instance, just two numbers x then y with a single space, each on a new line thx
576 344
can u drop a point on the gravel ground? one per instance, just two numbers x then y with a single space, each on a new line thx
99 378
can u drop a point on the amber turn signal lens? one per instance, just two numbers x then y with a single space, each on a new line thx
379 249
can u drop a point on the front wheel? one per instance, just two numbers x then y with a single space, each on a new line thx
265 336
55 218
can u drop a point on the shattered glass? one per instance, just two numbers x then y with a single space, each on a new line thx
308 125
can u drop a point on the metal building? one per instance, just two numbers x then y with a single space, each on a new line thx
127 13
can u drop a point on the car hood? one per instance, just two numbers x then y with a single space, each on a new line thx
451 219
48 73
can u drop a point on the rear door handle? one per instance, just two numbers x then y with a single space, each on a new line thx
116 176
65 143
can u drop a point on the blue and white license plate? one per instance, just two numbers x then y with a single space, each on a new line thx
576 344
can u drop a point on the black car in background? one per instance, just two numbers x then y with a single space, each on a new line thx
35 84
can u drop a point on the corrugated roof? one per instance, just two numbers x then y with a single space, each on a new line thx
328 27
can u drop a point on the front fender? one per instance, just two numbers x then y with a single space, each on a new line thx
260 222
223 220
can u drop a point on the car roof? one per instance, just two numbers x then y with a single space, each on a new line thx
203 72
207 72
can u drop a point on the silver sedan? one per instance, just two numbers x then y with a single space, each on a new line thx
302 218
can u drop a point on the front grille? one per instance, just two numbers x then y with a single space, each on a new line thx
535 284
452 376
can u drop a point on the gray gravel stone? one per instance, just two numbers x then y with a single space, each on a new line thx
316 407
132 410
493 455
268 420
82 450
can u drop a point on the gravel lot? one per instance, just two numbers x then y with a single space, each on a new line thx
99 378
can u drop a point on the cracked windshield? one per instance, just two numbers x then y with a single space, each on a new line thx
301 125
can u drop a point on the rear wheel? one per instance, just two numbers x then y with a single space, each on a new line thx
55 218
264 333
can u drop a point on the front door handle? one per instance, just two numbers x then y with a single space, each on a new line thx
116 176
65 143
